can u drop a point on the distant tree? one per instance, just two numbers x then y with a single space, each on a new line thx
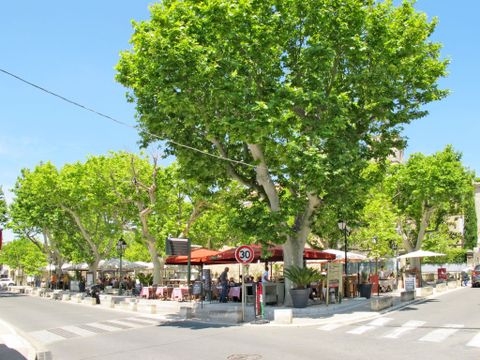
377 233
3 209
35 215
23 255
470 237
426 190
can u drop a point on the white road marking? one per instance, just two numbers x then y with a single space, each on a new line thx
128 323
46 336
370 326
408 326
146 320
78 331
13 341
441 334
330 327
103 326
475 342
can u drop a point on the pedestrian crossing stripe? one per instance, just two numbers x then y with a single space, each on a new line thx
475 342
83 330
440 335
370 326
407 327
436 336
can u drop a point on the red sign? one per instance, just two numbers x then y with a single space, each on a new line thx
244 254
442 273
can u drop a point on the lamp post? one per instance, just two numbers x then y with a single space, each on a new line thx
394 247
375 240
121 245
342 225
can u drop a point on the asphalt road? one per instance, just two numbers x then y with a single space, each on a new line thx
447 327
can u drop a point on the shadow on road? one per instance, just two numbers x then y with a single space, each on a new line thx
10 354
4 293
194 325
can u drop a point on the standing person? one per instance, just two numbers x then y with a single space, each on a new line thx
265 275
224 282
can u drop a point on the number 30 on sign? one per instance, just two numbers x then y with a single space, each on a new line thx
244 254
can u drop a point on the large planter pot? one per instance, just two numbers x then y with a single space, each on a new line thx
365 290
300 297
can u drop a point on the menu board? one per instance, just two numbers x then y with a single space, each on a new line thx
410 283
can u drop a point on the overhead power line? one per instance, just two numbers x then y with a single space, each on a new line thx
120 122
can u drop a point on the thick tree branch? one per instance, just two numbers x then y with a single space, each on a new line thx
83 231
263 177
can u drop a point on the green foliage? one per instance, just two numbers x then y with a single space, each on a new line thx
470 223
444 241
309 100
428 189
301 276
3 209
23 255
364 277
377 233
136 251
145 279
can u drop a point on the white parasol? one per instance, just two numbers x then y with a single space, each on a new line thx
419 254
351 257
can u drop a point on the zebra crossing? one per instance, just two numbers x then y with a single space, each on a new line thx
383 328
66 332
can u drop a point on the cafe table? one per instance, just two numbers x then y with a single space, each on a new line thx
179 293
234 292
163 292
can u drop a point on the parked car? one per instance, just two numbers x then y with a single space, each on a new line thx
476 276
4 282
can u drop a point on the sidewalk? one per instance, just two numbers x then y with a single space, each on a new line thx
15 346
351 310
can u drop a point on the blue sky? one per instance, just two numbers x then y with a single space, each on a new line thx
71 47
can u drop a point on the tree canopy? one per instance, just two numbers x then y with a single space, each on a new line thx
299 95
426 190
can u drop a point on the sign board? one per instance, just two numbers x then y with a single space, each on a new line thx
410 283
177 246
334 273
442 274
244 254
334 280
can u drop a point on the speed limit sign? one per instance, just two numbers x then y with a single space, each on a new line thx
244 254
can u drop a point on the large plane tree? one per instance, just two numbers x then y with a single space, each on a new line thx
298 94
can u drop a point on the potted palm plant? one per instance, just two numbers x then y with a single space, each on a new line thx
365 286
301 277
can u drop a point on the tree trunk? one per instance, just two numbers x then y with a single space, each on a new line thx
294 246
157 265
94 268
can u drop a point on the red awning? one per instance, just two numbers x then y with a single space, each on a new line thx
197 257
274 253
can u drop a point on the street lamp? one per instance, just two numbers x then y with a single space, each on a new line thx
375 240
342 225
121 245
394 247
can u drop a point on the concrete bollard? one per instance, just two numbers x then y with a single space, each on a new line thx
407 295
452 284
186 312
425 291
65 297
149 308
282 316
441 287
378 303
